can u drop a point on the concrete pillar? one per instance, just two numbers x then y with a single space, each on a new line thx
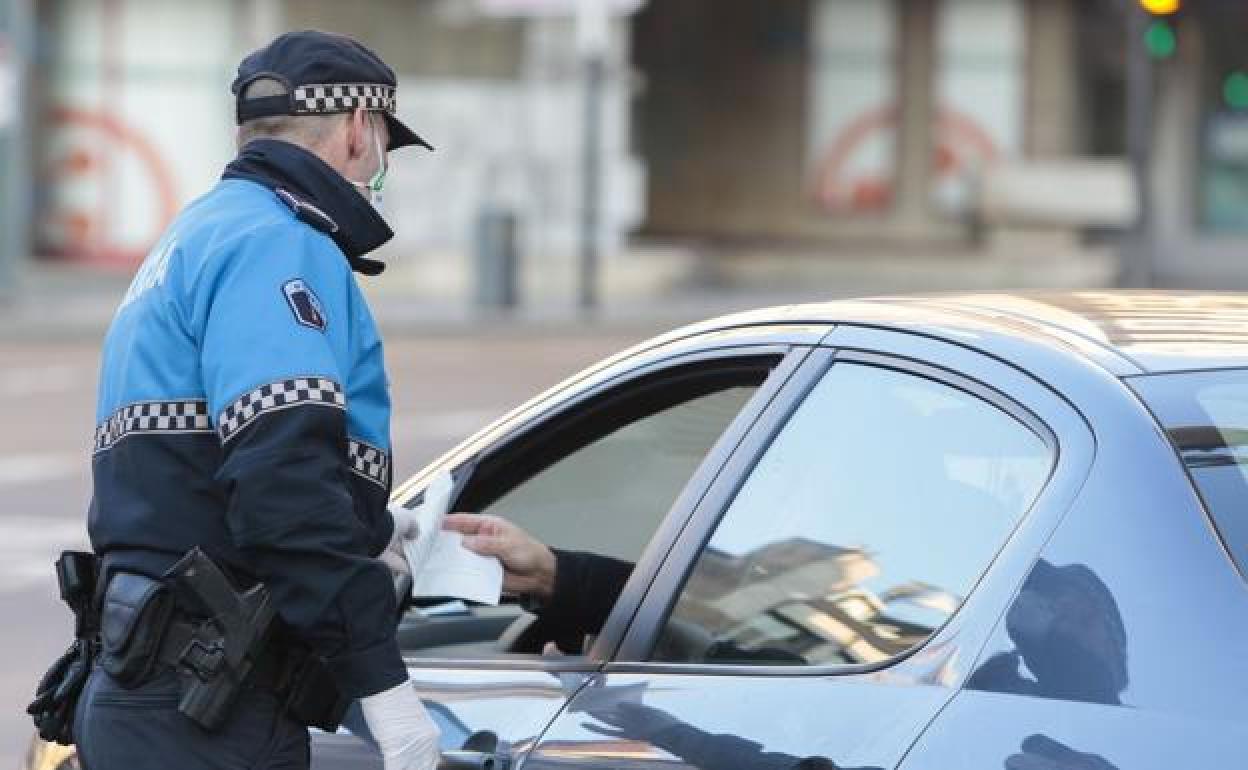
916 106
17 39
1176 127
1051 77
258 22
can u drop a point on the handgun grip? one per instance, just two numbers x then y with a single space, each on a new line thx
201 583
243 619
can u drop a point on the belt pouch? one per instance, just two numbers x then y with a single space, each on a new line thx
133 621
313 698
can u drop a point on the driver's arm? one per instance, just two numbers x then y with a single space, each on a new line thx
585 588
572 591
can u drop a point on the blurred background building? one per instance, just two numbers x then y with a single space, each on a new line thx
743 143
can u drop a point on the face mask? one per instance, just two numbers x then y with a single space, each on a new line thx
378 180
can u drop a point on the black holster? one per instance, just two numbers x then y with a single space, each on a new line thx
220 639
56 696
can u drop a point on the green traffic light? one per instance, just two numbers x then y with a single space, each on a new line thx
1235 90
1160 39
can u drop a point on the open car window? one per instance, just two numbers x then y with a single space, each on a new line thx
599 477
610 495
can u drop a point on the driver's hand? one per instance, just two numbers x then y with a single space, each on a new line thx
528 565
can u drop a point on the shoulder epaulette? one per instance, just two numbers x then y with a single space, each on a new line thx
307 213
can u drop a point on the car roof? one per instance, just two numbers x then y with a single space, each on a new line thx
1127 332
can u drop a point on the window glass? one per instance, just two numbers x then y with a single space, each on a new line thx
598 479
609 496
1206 416
862 528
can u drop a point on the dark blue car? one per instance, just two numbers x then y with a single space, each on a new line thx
985 531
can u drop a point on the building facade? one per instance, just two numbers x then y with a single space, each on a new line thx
825 126
1200 150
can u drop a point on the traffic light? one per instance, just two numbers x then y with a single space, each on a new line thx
1235 90
1160 39
1161 7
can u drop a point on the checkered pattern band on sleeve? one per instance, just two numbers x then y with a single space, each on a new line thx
370 462
283 394
328 98
189 416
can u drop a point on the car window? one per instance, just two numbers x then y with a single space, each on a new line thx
1206 416
862 528
598 477
609 496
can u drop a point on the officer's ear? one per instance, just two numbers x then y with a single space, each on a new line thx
357 134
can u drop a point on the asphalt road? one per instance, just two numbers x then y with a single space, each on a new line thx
443 389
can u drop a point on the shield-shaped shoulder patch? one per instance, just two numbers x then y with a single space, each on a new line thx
305 304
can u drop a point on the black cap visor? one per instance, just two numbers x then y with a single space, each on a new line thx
401 135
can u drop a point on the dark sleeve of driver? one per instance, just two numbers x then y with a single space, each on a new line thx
586 587
274 357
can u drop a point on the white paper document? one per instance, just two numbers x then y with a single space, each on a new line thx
441 565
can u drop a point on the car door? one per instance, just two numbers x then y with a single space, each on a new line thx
641 436
818 610
1122 649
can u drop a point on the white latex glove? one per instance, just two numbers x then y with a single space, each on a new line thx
407 737
406 527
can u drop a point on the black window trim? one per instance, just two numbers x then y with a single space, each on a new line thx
1133 383
606 644
564 396
791 356
666 584
567 431
639 643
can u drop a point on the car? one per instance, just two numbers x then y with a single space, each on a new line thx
995 530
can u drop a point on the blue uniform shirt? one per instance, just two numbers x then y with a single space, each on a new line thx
243 408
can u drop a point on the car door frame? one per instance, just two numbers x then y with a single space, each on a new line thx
792 343
957 363
595 379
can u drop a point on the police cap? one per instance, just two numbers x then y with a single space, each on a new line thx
323 74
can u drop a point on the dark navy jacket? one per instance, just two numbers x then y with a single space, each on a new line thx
243 408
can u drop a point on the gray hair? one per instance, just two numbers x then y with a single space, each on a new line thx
308 131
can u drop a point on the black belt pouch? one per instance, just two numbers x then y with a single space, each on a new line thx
133 621
314 699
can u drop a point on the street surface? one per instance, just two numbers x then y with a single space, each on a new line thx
443 389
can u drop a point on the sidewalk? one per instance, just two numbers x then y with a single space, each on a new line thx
76 302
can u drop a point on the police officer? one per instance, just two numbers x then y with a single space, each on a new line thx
243 409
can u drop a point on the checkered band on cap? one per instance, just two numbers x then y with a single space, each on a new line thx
369 461
283 394
190 416
343 97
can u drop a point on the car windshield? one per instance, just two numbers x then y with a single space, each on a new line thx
1206 416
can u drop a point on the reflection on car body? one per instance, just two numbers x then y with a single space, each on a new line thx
981 531
1067 633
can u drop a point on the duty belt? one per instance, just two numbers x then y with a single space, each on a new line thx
194 621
